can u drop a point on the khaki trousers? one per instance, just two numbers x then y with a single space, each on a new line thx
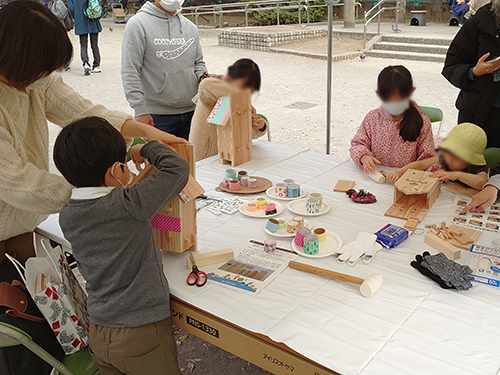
146 350
19 246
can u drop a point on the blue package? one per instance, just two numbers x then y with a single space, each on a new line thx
391 236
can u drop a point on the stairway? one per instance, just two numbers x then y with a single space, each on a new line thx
404 47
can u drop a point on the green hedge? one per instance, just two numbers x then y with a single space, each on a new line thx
287 16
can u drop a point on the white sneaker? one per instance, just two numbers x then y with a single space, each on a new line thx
96 69
86 69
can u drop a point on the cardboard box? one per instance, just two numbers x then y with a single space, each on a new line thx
484 263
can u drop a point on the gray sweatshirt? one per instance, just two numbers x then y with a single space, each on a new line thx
114 245
162 62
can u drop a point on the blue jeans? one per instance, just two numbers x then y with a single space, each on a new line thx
178 125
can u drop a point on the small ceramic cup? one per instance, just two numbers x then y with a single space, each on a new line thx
317 196
312 206
320 233
270 246
311 245
272 225
280 190
242 174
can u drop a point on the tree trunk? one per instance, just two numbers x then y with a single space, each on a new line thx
349 14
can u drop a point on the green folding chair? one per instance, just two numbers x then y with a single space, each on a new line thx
79 363
492 156
435 114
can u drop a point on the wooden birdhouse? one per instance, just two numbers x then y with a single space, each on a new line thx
414 194
233 117
175 225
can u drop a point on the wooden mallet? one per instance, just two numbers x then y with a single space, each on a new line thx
367 286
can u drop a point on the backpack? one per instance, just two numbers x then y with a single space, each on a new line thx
93 10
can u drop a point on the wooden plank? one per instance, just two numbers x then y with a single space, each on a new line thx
211 258
416 182
472 234
409 206
442 246
241 120
343 185
459 189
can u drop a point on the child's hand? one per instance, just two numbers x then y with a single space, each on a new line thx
258 122
135 153
445 176
369 163
394 176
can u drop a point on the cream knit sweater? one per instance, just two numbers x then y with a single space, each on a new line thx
28 192
203 135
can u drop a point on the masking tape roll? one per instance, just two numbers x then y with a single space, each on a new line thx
251 207
234 185
291 227
270 246
299 219
311 245
252 183
301 233
320 233
317 196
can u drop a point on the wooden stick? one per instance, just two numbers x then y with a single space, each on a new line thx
327 273
428 226
455 233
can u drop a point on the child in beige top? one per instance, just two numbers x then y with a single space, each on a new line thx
243 74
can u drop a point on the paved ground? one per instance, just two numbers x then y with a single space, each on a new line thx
290 84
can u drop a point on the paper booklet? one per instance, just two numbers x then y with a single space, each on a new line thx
251 270
489 221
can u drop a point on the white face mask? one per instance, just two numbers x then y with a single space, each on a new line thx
396 108
40 83
171 5
130 177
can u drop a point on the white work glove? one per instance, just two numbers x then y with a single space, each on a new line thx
364 248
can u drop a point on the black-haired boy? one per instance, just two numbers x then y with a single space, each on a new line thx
109 228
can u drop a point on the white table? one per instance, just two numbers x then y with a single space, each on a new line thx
410 326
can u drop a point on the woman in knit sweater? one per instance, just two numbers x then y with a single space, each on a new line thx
243 74
29 96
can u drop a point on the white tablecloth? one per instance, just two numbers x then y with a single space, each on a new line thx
410 326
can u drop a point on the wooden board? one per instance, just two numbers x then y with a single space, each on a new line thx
460 189
409 206
213 257
262 185
442 246
343 185
416 182
466 232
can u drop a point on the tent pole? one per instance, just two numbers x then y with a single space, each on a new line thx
329 78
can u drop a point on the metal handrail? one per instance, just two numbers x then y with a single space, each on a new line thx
380 10
218 10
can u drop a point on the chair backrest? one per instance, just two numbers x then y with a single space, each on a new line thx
435 114
11 335
492 156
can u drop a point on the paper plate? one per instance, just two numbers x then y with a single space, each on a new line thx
299 207
282 232
262 185
330 246
270 193
261 213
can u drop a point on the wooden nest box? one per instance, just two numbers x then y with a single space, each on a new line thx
175 225
233 117
414 194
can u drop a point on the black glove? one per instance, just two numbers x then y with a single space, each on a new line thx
426 272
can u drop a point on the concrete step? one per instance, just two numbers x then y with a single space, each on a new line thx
399 38
416 56
411 47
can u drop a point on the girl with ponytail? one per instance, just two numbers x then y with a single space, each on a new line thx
397 133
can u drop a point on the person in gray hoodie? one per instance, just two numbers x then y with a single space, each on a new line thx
162 65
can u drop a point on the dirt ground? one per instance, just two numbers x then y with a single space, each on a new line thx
320 46
293 98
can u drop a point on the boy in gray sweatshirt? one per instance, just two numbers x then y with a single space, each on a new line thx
109 228
162 65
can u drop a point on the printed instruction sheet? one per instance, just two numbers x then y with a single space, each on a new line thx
488 221
251 270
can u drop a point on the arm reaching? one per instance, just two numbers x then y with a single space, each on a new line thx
475 181
420 165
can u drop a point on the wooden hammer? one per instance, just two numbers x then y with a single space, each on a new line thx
367 286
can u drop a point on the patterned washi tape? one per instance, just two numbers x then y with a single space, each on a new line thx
311 245
272 225
244 180
291 227
288 181
242 174
231 173
261 202
269 246
320 233
312 206
293 191
317 196
280 190
282 223
299 219
225 181
234 185
270 208
252 183
300 234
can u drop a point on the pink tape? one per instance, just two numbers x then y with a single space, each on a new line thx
168 223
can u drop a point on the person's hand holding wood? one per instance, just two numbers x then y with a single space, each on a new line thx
369 162
483 67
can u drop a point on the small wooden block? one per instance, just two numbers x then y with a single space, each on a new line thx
208 259
411 224
343 185
442 246
428 226
468 235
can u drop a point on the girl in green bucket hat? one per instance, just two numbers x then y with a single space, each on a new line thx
460 158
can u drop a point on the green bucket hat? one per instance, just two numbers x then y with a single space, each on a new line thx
467 142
